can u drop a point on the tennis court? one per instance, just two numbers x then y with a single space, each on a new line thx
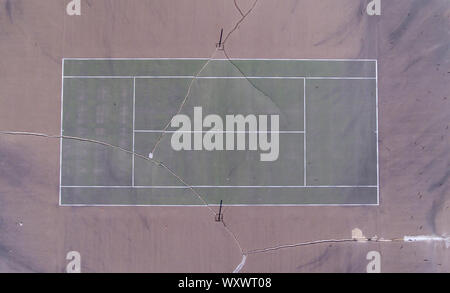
328 151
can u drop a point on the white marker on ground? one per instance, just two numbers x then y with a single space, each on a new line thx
425 238
240 265
150 155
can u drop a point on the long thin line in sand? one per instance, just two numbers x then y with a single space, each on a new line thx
236 26
407 239
279 247
158 163
238 8
249 80
359 240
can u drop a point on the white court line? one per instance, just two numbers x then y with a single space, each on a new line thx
224 205
378 143
219 131
224 186
338 78
215 77
304 136
223 59
134 119
61 129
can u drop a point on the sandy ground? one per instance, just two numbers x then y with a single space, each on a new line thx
411 42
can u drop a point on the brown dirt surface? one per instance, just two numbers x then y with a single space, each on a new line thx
410 40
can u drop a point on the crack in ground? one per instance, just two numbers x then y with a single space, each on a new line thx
156 162
405 239
250 82
238 8
236 26
180 107
419 238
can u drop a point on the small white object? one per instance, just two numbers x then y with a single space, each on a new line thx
150 155
425 238
358 235
240 265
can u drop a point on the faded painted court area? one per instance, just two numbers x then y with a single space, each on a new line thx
327 133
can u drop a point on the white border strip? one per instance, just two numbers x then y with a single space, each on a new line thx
61 129
377 131
224 59
133 134
218 131
213 77
222 186
304 136
224 205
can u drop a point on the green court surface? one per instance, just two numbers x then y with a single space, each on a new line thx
328 152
